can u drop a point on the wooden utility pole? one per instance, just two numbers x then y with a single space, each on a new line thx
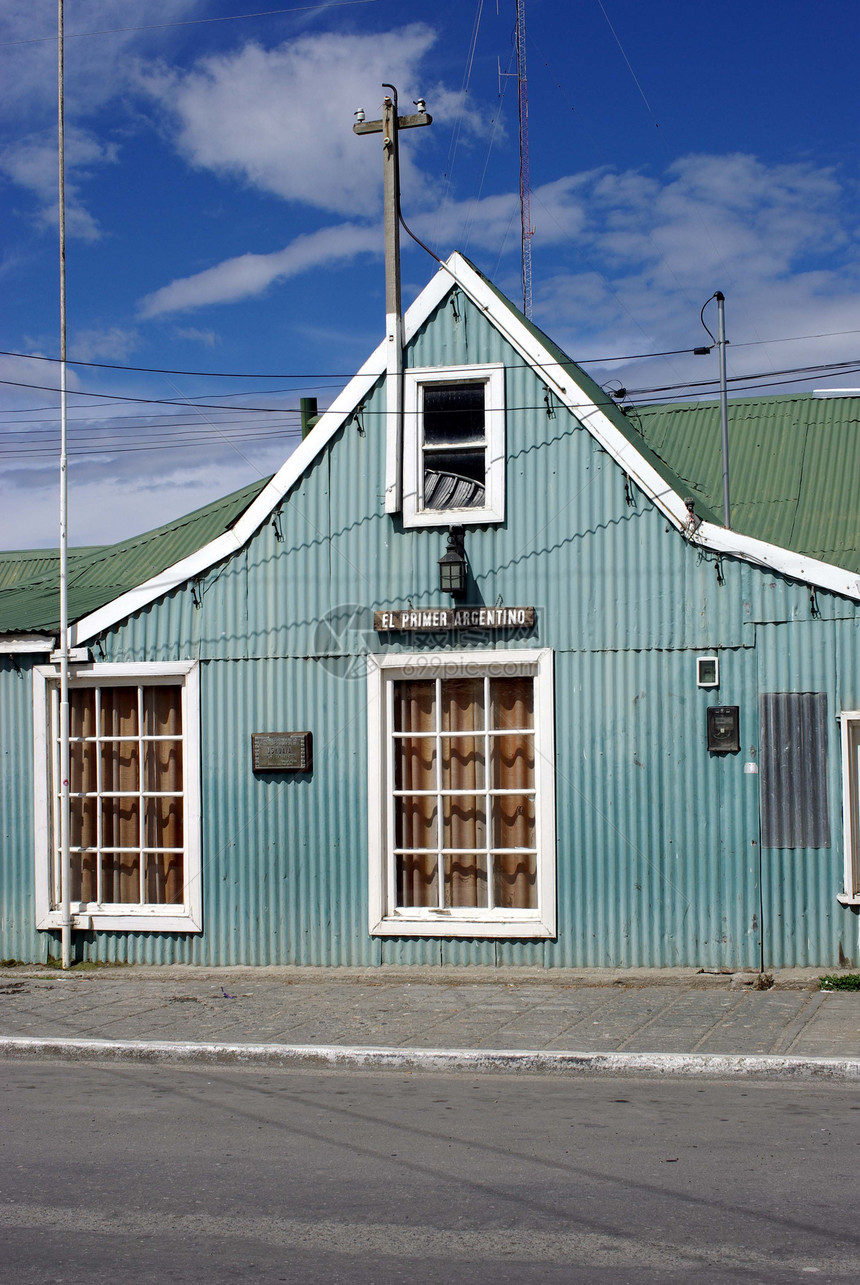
389 127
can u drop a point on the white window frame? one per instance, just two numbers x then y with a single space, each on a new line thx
414 381
385 918
186 918
850 730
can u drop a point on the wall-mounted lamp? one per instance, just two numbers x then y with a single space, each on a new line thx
452 564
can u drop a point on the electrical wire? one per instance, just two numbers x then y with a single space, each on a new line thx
188 403
230 374
190 22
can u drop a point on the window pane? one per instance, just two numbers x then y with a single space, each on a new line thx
464 821
415 822
82 711
515 880
462 762
462 704
83 885
121 877
513 762
453 413
415 763
416 879
82 822
513 821
163 827
162 711
466 880
120 823
164 878
120 765
512 702
414 705
119 711
162 765
454 479
82 766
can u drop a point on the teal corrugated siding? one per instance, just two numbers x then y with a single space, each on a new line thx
658 856
18 936
806 923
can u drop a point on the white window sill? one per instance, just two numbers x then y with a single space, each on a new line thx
134 920
442 924
451 517
847 899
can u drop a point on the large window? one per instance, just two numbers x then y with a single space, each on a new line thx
454 446
462 838
132 796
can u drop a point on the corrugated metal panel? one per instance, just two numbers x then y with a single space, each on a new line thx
657 857
23 565
804 923
19 939
795 808
795 466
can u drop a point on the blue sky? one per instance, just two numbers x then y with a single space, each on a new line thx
223 216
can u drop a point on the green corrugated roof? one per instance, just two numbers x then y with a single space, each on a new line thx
794 467
98 575
27 564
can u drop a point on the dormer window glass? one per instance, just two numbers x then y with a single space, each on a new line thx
454 445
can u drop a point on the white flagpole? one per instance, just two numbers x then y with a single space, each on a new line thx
65 855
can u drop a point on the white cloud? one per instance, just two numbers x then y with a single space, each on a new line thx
102 343
96 66
208 338
250 274
281 119
113 498
32 163
645 252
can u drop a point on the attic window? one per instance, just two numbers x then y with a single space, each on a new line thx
454 462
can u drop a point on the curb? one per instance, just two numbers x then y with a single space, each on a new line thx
752 1066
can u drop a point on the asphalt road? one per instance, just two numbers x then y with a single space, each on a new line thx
143 1174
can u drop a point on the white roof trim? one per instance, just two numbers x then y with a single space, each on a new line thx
457 270
824 575
269 498
22 644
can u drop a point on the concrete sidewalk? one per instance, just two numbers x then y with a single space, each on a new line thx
630 1015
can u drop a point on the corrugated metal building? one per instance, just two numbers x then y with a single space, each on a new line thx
630 741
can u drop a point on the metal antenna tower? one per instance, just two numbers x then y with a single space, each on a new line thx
525 194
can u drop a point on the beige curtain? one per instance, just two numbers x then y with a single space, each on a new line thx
465 821
122 771
415 815
162 716
512 706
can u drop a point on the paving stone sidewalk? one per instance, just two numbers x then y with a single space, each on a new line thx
452 1009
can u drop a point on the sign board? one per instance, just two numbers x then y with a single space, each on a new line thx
282 751
429 619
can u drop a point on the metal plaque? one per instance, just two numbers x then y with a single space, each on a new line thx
282 751
429 619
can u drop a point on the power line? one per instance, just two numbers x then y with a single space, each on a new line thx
232 374
804 372
190 22
149 401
